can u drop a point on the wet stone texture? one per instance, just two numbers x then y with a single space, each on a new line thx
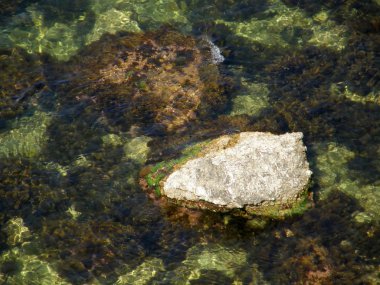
250 169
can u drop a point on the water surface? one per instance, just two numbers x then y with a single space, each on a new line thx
77 124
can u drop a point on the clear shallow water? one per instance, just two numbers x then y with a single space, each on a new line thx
72 145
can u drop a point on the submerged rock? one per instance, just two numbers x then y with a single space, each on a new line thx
251 171
159 79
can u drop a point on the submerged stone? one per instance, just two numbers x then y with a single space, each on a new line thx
162 80
251 171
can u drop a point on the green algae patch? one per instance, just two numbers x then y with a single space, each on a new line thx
40 30
137 149
112 21
149 14
284 210
36 35
19 264
285 27
332 172
251 100
345 92
143 273
16 231
24 269
27 137
207 258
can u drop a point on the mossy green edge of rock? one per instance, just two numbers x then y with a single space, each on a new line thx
283 211
162 169
154 176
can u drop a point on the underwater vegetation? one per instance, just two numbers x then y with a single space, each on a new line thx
26 138
21 79
27 189
154 177
91 92
316 249
156 82
9 6
62 28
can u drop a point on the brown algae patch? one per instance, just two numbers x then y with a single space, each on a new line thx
160 78
21 79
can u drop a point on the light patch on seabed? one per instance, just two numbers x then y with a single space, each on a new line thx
16 231
30 31
112 140
347 93
112 21
73 212
332 173
137 149
270 31
252 99
208 257
26 137
143 273
30 270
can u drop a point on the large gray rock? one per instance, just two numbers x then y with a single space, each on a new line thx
250 168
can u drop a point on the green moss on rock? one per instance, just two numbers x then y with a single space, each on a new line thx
153 178
160 170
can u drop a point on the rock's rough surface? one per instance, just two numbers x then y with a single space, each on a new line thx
250 168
